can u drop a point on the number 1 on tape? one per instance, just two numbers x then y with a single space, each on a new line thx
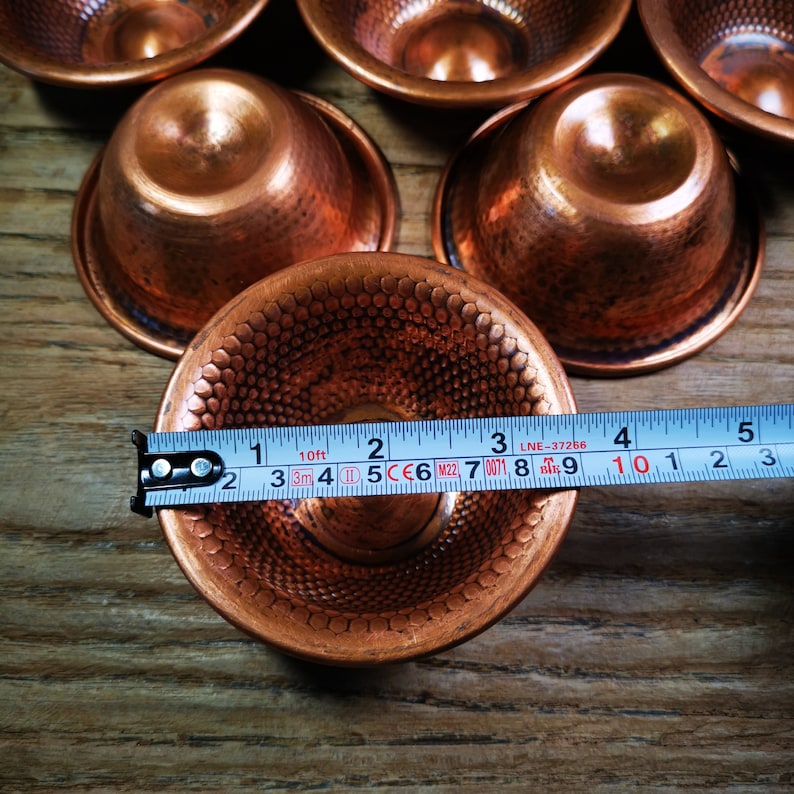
490 453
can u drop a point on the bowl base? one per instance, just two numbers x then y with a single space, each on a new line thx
374 529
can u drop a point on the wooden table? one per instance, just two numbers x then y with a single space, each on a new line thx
656 652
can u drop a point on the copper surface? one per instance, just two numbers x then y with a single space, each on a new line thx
608 212
357 337
464 54
212 180
737 59
116 42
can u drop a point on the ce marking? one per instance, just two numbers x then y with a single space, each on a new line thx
406 472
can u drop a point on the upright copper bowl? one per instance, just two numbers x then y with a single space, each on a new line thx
116 42
608 212
736 58
354 337
464 54
212 180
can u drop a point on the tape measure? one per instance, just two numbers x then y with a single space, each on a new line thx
493 453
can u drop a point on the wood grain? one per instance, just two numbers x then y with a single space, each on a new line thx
656 653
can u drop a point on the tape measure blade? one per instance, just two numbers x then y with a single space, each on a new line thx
491 453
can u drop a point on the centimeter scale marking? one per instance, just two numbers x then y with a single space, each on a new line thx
494 453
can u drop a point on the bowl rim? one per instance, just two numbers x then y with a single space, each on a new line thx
661 33
173 521
124 73
747 254
97 278
455 93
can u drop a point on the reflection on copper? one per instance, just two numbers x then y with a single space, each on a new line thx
355 338
758 68
483 50
144 31
212 180
736 59
464 54
608 212
116 42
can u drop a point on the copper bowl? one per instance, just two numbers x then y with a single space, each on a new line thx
116 42
211 181
353 338
464 54
737 59
608 212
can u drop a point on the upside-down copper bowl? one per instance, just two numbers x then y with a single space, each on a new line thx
355 338
736 58
116 42
212 180
610 213
464 54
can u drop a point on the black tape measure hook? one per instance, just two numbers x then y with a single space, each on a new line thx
168 471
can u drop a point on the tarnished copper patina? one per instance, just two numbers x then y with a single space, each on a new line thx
212 180
464 54
116 42
608 211
736 58
354 338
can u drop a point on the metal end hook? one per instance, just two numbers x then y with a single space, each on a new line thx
138 501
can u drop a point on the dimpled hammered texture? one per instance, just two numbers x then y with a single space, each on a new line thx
476 53
532 32
67 31
116 42
705 23
352 336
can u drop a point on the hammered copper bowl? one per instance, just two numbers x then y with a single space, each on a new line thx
609 212
116 42
464 54
736 58
212 180
351 338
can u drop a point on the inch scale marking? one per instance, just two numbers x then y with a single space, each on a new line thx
494 453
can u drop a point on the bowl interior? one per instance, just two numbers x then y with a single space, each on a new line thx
366 580
735 58
748 50
65 41
524 46
464 41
